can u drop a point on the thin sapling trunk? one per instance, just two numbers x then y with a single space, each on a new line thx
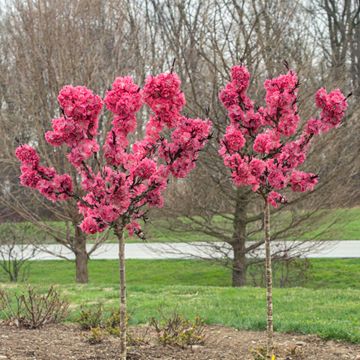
268 275
119 232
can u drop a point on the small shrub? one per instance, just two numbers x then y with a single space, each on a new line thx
292 352
100 325
112 323
91 317
17 247
258 353
178 331
32 309
96 336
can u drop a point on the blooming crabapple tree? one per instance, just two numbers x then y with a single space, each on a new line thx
123 180
263 147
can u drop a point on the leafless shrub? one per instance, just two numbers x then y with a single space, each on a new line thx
175 330
31 309
16 249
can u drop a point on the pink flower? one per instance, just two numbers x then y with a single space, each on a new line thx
133 227
288 124
257 167
163 95
63 186
124 98
333 107
275 199
79 103
301 181
232 161
251 122
84 149
91 226
135 176
277 179
30 178
292 155
255 146
54 138
188 139
267 142
229 97
241 77
314 127
233 141
145 168
27 155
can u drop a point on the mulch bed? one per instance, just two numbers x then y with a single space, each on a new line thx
67 342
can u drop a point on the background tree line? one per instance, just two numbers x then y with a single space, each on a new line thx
47 44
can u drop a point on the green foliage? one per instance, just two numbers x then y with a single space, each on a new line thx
102 323
292 352
96 335
91 317
175 330
113 321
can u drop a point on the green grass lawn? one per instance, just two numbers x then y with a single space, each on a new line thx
323 273
328 305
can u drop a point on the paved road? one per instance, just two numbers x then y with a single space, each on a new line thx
310 249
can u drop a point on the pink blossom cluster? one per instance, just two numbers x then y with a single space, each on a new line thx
163 95
280 112
143 178
124 100
135 175
78 126
236 101
53 186
188 139
333 107
267 142
259 145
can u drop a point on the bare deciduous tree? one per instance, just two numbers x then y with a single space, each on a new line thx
207 38
44 46
16 249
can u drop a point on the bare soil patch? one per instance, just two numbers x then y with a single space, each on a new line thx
68 342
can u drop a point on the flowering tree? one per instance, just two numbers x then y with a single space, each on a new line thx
263 147
121 182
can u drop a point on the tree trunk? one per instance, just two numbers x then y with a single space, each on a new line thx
81 257
123 317
268 273
239 237
239 266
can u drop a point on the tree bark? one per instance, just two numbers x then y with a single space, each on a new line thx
239 266
239 238
268 273
81 257
122 292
